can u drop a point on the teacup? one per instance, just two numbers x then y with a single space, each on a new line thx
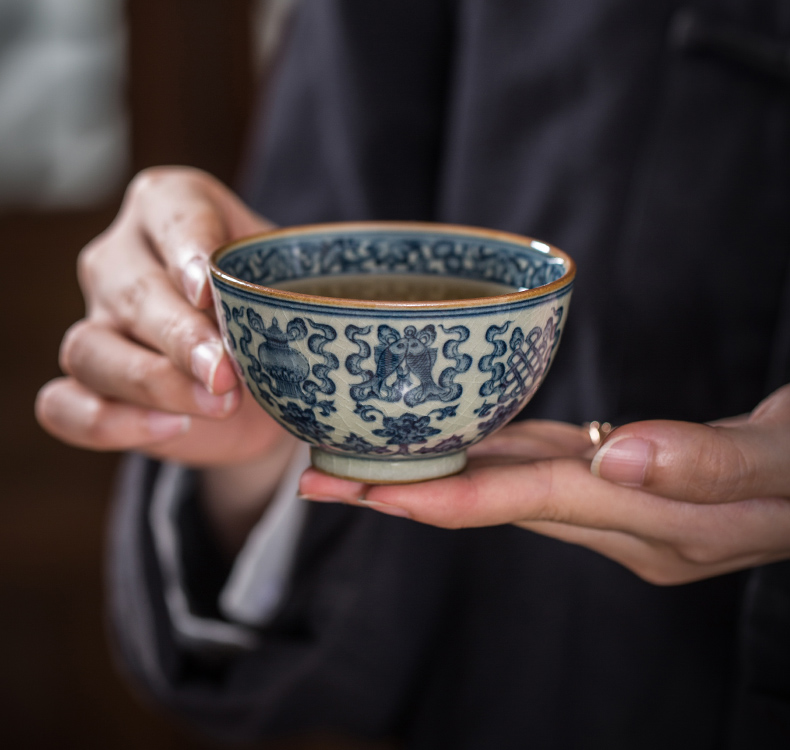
391 347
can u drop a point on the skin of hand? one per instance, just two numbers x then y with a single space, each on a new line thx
672 501
145 368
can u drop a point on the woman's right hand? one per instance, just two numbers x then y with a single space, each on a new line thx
145 369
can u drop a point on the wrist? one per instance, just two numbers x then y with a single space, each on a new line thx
235 497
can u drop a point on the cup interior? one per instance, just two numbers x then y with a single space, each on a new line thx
507 263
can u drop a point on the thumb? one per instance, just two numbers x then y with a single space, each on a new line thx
704 463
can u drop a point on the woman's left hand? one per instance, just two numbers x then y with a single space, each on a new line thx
672 501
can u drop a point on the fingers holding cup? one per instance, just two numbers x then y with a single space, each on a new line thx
115 367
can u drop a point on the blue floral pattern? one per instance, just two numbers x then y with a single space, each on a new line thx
305 423
354 443
503 414
380 383
280 260
448 445
404 361
405 430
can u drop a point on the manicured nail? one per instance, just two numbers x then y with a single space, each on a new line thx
206 357
390 510
208 403
623 461
194 279
320 499
162 425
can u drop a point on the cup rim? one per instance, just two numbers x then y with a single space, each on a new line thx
417 226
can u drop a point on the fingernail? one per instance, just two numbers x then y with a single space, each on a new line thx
320 499
206 357
194 279
623 461
390 510
208 403
162 425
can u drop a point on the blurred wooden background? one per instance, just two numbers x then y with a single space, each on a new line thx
191 87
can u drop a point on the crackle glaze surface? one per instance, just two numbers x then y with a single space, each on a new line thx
381 384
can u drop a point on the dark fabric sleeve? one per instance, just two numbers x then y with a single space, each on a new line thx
205 567
339 656
762 716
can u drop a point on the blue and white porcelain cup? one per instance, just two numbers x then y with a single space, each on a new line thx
344 333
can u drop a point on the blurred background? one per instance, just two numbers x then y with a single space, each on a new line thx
91 91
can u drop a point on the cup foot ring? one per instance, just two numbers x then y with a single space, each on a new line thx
388 471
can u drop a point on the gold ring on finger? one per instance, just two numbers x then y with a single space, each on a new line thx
598 431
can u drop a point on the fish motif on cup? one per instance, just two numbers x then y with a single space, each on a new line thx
404 364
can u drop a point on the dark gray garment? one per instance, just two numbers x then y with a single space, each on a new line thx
650 142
